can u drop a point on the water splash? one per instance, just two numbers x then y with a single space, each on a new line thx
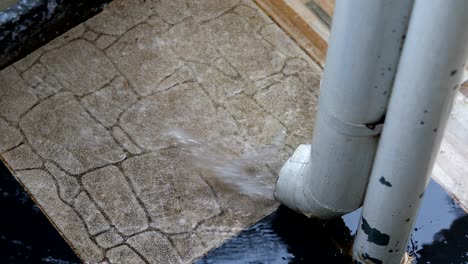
250 173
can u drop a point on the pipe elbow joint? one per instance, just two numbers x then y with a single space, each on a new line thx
291 188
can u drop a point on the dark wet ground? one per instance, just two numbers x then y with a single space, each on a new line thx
26 236
440 234
29 24
441 230
285 237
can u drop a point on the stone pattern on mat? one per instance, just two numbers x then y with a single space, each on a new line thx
84 122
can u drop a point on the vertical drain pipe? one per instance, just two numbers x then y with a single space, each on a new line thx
429 73
328 178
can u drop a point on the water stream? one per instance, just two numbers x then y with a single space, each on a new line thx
250 173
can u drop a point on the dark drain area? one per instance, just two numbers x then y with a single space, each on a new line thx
29 24
440 236
26 235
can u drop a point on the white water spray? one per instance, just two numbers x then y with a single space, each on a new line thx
250 173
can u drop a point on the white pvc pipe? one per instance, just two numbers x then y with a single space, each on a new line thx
328 178
430 70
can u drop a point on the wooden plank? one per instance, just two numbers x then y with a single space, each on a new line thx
319 11
299 29
312 18
327 5
309 28
464 87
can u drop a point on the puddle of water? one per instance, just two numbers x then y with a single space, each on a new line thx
440 234
441 230
249 173
287 237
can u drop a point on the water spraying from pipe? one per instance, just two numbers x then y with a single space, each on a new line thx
251 173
